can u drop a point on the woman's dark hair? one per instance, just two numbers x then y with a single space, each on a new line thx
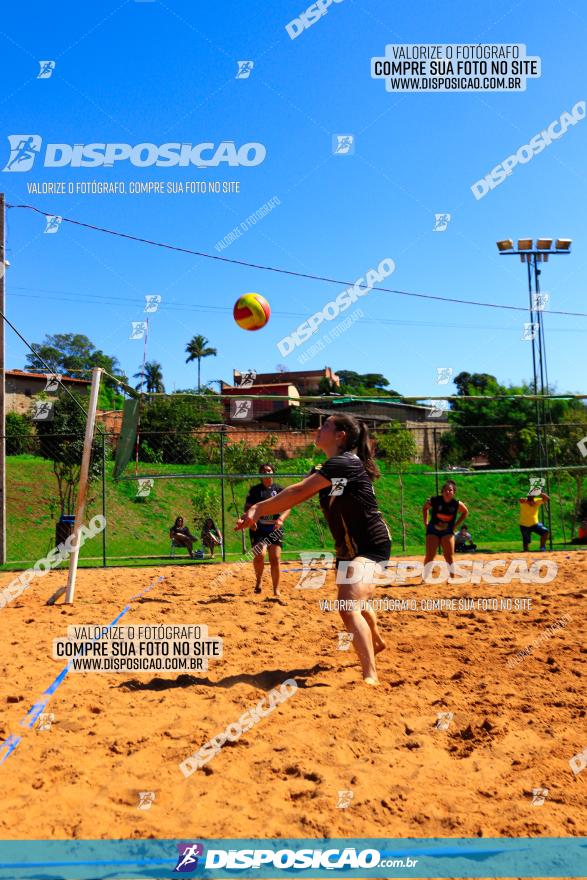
262 467
211 521
450 483
177 519
357 438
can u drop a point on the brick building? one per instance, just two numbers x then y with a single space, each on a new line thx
20 388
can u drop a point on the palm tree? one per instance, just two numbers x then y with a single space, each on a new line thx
151 377
196 349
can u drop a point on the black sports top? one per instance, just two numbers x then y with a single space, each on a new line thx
258 493
443 513
350 506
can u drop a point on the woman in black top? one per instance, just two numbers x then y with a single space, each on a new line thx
344 485
442 523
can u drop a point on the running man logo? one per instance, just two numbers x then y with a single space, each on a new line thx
313 578
443 375
443 720
52 381
152 302
46 71
246 379
344 641
244 69
138 329
187 860
344 799
44 721
146 800
24 149
582 447
338 486
439 409
343 144
52 224
441 222
540 301
578 762
144 487
539 795
241 409
529 332
43 411
536 485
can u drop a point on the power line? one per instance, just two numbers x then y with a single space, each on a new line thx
291 272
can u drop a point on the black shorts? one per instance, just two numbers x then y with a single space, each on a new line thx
376 553
266 535
439 533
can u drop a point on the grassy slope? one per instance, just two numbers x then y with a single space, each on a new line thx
140 528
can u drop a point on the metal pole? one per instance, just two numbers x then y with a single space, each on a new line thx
534 373
83 482
222 495
544 392
435 459
104 497
2 388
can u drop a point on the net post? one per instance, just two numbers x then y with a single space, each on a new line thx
83 482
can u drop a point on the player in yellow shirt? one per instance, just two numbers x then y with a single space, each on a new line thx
529 522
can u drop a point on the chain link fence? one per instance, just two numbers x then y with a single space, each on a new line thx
207 473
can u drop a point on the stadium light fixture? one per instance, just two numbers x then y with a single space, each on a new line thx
524 244
544 244
563 244
506 245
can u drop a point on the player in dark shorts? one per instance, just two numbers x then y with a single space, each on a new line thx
344 484
268 535
443 514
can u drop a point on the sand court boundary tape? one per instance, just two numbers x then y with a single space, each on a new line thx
12 742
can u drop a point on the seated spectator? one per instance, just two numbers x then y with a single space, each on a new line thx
211 536
582 536
181 536
464 541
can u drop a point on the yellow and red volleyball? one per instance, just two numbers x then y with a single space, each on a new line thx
251 311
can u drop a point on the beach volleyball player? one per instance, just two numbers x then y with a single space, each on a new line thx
344 484
268 531
443 514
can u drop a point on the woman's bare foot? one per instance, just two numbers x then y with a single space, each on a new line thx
378 644
373 682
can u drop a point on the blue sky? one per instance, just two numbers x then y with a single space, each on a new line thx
156 72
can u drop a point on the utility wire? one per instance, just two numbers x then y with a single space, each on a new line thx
338 282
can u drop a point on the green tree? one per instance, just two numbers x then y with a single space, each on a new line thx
396 445
73 354
197 348
364 384
61 440
20 435
151 378
168 428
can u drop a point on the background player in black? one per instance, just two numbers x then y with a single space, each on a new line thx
443 523
344 483
267 533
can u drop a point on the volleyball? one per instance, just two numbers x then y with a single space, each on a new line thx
251 311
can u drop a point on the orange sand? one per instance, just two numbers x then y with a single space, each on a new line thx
117 734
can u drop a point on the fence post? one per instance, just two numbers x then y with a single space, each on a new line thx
104 497
222 495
